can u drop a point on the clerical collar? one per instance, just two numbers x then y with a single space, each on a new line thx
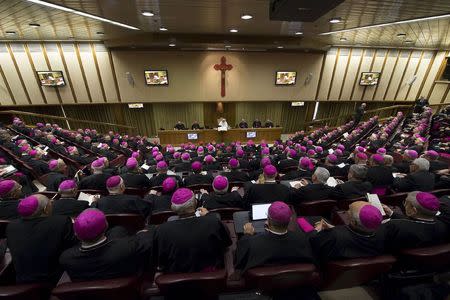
270 181
418 220
277 233
91 246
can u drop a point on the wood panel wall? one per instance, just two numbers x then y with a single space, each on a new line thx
94 74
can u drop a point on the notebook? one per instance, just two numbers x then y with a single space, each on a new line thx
375 201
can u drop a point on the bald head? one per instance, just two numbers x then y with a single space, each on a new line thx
364 216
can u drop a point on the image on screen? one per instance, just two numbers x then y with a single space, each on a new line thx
51 78
192 136
285 78
156 77
369 78
251 134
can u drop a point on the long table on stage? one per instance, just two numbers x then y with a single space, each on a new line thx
177 137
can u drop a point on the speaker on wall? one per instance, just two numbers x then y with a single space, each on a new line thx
129 78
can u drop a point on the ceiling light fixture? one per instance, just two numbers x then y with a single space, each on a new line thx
100 33
233 30
409 42
343 39
280 47
246 17
388 24
172 45
10 32
335 20
227 46
81 13
148 14
34 25
299 33
163 29
401 35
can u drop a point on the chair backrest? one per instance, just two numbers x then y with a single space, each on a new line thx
118 161
345 203
226 213
3 225
433 258
440 193
316 208
132 222
93 192
161 217
277 278
44 179
352 272
50 194
111 289
35 291
394 199
6 269
136 191
204 285
197 187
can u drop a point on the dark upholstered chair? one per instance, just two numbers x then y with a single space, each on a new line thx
348 273
433 258
118 161
33 291
161 217
226 213
202 285
394 199
197 187
3 225
93 192
440 193
132 222
111 289
278 278
345 203
6 270
136 191
316 208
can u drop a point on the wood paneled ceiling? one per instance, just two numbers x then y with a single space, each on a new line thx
201 24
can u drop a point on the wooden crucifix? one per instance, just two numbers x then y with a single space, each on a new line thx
223 67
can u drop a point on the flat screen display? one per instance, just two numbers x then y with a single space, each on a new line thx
192 136
369 78
156 77
285 78
259 211
251 134
51 78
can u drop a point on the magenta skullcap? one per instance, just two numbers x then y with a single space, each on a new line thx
131 163
53 164
200 149
90 224
2 160
305 163
292 153
32 153
302 149
381 151
67 185
161 165
431 153
319 149
24 148
220 183
338 152
265 162
209 158
233 163
279 212
332 158
6 186
176 155
360 149
341 147
309 142
196 166
311 152
370 217
113 181
378 158
98 163
159 157
270 170
210 148
265 151
411 154
361 155
240 153
169 184
428 201
135 154
155 153
185 156
28 206
181 196
115 141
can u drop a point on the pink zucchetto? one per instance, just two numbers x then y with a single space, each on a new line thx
32 153
209 159
341 147
200 149
220 183
428 201
361 155
360 149
67 185
90 224
113 181
97 164
370 217
196 166
177 155
181 196
319 149
381 151
265 151
411 154
132 163
292 153
161 165
233 163
135 154
279 212
53 164
185 156
270 170
432 154
332 158
24 148
28 206
6 186
240 153
159 157
169 184
305 163
265 162
338 152
311 152
378 158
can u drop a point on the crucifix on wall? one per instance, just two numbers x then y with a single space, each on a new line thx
223 67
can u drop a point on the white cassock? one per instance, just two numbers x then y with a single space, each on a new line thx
223 125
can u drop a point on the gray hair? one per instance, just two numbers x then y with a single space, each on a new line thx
388 159
42 204
322 174
358 171
186 206
422 164
412 198
116 189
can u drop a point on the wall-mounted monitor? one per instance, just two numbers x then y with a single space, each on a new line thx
369 78
285 77
51 78
251 134
156 77
192 136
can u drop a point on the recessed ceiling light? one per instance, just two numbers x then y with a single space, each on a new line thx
100 33
343 39
246 17
34 25
233 30
163 29
298 33
335 20
81 13
10 32
280 47
401 35
148 14
409 42
172 45
227 46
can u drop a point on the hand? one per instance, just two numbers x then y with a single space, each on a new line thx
387 210
401 175
203 211
96 197
444 172
153 192
234 188
203 191
339 181
297 186
304 182
249 229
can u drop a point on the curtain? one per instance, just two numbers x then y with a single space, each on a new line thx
166 115
259 110
92 112
141 118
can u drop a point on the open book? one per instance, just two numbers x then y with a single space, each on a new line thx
86 197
